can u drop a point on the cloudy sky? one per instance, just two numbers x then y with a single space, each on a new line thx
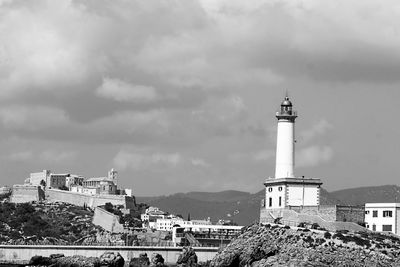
180 95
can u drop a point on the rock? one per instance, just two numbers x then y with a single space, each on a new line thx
39 261
260 246
56 256
157 260
142 261
112 259
188 257
77 261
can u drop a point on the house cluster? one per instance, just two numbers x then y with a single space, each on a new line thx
156 219
78 183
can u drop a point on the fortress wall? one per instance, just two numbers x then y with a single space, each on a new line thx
107 221
26 193
92 201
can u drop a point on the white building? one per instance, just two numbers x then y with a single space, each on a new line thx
383 217
168 224
36 178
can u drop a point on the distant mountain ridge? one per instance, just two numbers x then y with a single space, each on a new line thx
243 207
373 194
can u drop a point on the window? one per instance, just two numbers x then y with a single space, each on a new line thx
373 227
280 201
374 214
270 189
367 212
387 213
387 227
270 202
280 188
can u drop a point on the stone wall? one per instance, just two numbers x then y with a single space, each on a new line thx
26 193
354 214
92 201
107 221
334 212
310 215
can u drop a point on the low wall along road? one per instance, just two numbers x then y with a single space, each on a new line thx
21 254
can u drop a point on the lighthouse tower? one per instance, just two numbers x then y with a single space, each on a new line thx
285 190
285 140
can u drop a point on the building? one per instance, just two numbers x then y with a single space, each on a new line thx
204 235
106 185
285 189
383 217
38 178
5 190
167 224
292 199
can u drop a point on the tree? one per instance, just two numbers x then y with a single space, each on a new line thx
109 207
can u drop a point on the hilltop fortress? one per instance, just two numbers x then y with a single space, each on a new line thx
74 189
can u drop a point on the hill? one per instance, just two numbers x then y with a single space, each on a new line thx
243 207
362 195
240 207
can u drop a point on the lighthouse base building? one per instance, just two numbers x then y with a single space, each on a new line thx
292 200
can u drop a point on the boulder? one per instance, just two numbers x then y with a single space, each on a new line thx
157 260
112 259
141 261
40 261
188 257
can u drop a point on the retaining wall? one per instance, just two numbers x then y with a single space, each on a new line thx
107 221
26 193
293 218
21 254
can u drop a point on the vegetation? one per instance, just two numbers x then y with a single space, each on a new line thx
129 220
29 223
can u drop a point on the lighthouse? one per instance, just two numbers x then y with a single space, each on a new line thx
285 140
285 190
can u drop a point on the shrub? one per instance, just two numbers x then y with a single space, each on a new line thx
327 235
302 224
315 226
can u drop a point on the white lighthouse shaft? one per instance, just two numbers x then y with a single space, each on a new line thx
285 150
285 141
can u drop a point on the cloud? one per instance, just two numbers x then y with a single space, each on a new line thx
125 92
57 156
199 162
46 156
136 161
21 156
264 155
32 118
146 161
313 156
316 130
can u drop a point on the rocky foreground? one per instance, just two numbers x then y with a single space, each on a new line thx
282 246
